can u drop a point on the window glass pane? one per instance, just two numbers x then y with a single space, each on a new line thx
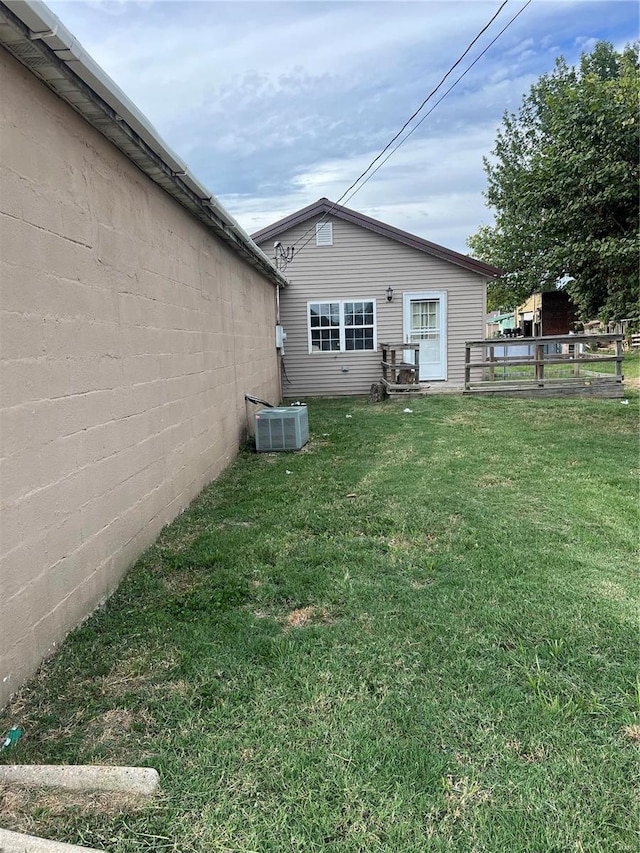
324 314
425 315
358 313
358 339
327 321
325 340
418 311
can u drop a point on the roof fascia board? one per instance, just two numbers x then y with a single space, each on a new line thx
420 243
47 28
324 206
291 221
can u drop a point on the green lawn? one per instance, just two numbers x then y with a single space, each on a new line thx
419 634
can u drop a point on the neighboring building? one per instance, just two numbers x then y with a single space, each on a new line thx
135 316
498 323
548 313
355 283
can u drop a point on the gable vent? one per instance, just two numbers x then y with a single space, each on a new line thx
324 234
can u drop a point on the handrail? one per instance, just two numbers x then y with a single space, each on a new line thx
394 369
568 338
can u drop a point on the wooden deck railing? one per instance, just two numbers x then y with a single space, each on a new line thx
398 374
556 365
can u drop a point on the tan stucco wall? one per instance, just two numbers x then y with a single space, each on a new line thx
128 336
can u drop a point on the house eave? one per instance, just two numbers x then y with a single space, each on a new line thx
323 206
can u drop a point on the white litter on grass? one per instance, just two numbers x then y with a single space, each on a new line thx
624 402
288 472
409 411
348 416
326 434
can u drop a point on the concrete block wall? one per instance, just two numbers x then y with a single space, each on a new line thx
129 335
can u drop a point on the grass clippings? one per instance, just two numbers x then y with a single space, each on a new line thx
445 662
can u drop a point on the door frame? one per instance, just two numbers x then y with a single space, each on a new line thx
432 295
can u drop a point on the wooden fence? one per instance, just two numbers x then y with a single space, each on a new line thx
555 366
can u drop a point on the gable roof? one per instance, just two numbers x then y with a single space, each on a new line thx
37 39
324 206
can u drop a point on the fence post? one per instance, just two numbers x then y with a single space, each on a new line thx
467 369
539 356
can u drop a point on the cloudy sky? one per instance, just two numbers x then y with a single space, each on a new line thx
276 104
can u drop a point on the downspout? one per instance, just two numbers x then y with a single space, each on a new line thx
275 263
278 304
278 325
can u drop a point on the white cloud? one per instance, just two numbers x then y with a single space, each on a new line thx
274 104
437 196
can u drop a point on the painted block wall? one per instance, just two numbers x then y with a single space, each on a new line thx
129 335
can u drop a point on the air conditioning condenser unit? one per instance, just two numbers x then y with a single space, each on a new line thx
281 428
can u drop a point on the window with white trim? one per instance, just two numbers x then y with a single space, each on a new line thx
342 326
324 233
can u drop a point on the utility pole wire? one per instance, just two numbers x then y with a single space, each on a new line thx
428 113
409 120
386 148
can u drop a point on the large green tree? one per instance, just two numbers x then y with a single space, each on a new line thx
563 182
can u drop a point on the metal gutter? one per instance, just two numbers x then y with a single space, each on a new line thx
39 40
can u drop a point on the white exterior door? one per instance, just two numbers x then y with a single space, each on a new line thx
425 323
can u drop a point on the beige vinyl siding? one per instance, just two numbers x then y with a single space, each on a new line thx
361 265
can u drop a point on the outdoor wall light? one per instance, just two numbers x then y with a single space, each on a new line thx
389 294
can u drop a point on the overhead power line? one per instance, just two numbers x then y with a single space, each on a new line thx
439 101
366 172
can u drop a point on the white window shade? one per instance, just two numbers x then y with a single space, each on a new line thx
324 234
